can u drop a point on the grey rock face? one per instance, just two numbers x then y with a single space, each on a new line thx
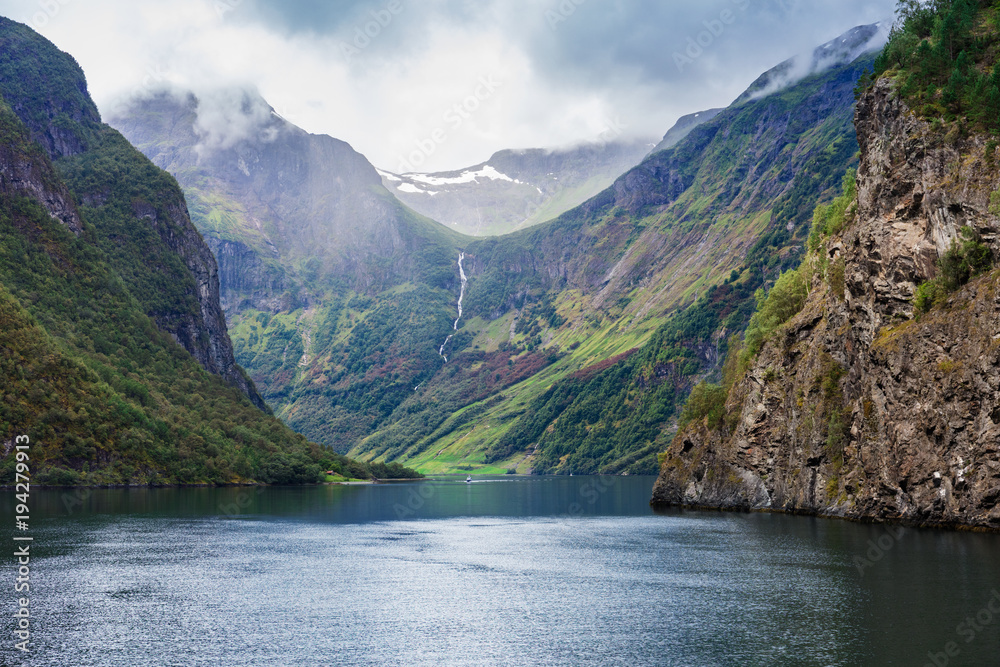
35 179
204 335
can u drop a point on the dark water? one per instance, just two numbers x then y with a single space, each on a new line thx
550 571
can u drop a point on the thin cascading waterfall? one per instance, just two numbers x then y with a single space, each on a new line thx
461 296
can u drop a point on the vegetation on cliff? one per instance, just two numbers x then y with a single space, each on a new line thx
613 414
944 56
775 307
92 371
967 257
877 400
580 337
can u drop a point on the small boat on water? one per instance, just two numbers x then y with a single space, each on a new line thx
468 480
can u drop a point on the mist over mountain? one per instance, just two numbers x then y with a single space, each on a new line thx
304 210
117 363
837 52
343 302
515 189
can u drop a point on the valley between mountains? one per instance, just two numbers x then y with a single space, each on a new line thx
785 304
579 337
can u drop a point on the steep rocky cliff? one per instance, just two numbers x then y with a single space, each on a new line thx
857 407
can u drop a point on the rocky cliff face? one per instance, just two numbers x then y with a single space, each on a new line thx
856 408
203 334
22 176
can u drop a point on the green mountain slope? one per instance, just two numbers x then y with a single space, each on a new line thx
868 388
666 261
338 296
114 357
579 337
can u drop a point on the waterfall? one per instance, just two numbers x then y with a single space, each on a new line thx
461 296
465 281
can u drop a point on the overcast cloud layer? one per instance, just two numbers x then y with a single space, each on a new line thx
442 84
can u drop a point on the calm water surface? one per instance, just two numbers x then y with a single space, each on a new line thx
542 571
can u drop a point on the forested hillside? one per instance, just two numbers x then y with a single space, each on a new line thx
633 296
115 357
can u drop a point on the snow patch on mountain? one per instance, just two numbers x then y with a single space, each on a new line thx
465 177
411 188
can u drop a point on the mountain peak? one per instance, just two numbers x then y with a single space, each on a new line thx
43 84
516 188
842 50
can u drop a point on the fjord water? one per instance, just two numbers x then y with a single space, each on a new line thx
512 571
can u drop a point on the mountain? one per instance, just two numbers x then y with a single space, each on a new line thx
116 360
575 340
870 387
845 48
279 207
338 296
172 273
633 295
516 189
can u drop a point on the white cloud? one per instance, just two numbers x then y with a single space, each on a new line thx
417 87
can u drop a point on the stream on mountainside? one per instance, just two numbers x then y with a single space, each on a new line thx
461 296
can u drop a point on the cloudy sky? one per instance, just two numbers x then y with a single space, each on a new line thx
442 84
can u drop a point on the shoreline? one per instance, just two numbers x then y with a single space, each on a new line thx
865 520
